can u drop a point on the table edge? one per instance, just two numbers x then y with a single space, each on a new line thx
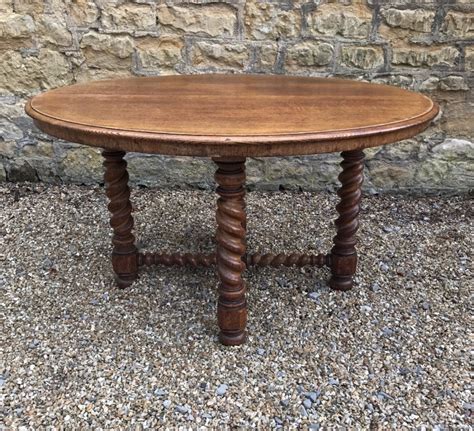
234 145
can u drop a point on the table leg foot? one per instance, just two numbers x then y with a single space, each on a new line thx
124 254
230 216
343 256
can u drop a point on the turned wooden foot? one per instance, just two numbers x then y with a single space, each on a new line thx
230 216
343 256
124 254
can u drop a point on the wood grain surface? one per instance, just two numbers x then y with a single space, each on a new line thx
231 115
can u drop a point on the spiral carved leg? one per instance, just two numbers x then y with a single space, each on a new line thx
343 256
230 216
124 254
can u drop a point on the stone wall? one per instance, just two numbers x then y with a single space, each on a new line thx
420 45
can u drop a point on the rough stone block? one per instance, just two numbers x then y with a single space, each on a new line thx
268 21
332 19
418 20
415 56
453 83
23 75
469 58
308 54
459 25
33 7
362 57
220 55
83 13
52 29
127 17
8 148
158 53
16 26
82 165
210 19
119 46
266 56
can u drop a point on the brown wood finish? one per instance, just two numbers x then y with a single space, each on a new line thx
230 117
124 254
254 259
230 217
343 256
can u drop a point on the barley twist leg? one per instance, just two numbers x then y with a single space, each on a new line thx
230 216
343 254
124 254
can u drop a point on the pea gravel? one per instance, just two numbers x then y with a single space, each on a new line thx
77 353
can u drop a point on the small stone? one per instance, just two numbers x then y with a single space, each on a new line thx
222 389
384 267
314 427
34 344
425 305
167 404
314 296
307 403
285 402
182 409
366 309
468 406
388 331
314 395
375 287
303 411
333 382
261 352
159 392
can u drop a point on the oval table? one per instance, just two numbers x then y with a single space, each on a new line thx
229 118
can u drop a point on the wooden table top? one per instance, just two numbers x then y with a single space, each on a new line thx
231 115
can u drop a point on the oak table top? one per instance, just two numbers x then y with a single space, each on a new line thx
231 115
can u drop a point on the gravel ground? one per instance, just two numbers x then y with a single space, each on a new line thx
79 354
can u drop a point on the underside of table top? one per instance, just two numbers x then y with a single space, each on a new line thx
231 115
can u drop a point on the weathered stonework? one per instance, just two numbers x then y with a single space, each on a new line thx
309 54
219 55
469 58
362 57
418 20
423 56
43 70
83 13
210 19
128 17
459 25
335 20
163 53
413 45
265 21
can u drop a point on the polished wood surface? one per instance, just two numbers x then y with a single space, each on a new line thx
231 115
